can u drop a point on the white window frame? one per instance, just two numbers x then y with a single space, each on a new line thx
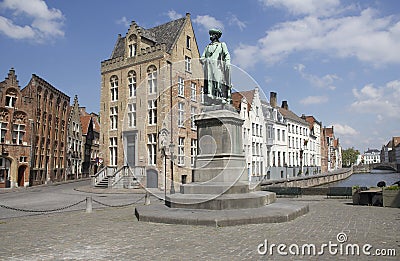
132 83
18 133
188 64
114 117
181 151
181 87
132 115
114 88
11 100
181 114
193 151
193 91
132 49
152 80
113 151
152 112
152 149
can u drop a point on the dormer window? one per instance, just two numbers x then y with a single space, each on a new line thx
132 50
132 45
10 101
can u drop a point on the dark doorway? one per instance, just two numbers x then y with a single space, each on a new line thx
21 176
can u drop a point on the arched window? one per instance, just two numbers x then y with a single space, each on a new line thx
114 88
132 83
152 79
132 46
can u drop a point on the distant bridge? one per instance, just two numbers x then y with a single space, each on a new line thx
392 166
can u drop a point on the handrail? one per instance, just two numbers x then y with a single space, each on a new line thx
136 173
102 174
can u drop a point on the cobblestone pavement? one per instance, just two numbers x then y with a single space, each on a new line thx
115 234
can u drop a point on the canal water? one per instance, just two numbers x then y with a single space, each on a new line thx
366 180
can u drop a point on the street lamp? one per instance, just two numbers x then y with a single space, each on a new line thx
164 154
171 149
301 161
286 166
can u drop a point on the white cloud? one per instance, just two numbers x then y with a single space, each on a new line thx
305 7
343 129
245 55
208 22
235 21
383 101
8 28
365 36
314 100
124 21
324 82
173 15
46 23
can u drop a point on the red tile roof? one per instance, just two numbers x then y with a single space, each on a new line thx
237 98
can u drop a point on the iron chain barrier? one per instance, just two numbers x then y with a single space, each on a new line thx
69 206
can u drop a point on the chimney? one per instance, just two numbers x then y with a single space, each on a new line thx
285 105
272 99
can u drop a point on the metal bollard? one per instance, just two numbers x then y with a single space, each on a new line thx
147 198
88 204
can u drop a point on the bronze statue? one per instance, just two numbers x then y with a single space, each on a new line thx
216 65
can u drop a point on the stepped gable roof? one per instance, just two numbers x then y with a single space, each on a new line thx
167 34
238 96
264 109
288 114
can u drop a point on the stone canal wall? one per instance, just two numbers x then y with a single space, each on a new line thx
310 181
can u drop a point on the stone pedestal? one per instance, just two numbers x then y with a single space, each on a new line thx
220 179
220 194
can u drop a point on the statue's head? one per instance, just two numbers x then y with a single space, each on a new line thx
215 34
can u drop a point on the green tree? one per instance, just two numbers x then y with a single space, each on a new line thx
349 156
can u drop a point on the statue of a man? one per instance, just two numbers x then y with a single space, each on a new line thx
216 64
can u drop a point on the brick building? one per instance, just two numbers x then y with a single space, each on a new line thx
139 111
50 111
74 143
334 157
16 130
33 132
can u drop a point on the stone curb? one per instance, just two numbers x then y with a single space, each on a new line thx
273 213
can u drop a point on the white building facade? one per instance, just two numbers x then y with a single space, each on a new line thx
248 103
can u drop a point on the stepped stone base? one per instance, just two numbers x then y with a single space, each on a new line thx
274 213
218 202
214 188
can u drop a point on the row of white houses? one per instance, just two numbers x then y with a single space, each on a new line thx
278 144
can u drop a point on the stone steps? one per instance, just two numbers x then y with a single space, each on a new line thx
102 184
221 201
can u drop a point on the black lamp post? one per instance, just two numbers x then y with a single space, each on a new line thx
164 154
301 161
171 149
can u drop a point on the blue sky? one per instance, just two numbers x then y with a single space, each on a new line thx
336 60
